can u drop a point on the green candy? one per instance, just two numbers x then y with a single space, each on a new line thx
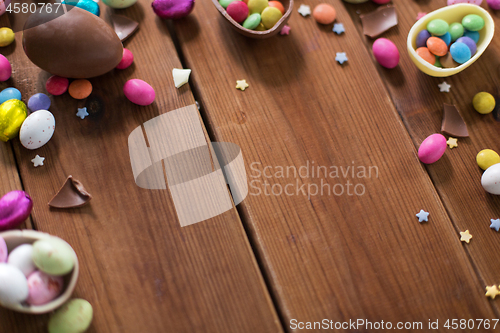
473 22
456 31
438 63
437 27
225 3
53 256
73 317
252 21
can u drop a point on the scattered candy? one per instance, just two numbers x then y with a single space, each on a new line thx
386 53
37 129
73 317
486 158
444 87
71 195
420 15
119 4
491 179
43 288
432 148
483 102
80 89
15 207
465 236
341 57
304 10
5 68
127 59
9 93
123 26
285 30
238 10
270 16
492 291
57 85
494 4
53 256
452 142
495 224
13 113
7 36
139 92
38 161
82 113
423 216
13 285
379 21
181 76
453 122
38 102
241 84
3 250
324 13
20 258
338 28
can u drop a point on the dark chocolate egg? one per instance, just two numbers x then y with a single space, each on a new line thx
76 44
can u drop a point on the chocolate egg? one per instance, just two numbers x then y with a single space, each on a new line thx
12 115
75 45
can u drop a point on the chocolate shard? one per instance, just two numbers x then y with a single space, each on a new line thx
124 27
72 194
379 21
453 123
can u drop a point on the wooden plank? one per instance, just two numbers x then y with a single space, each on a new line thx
329 256
140 270
420 103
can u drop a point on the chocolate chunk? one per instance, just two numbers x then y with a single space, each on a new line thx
379 21
448 62
453 122
124 27
72 194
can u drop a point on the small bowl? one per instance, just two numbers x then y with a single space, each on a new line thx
15 238
450 14
288 4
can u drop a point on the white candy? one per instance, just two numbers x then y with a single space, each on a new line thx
21 257
13 285
181 76
491 179
37 129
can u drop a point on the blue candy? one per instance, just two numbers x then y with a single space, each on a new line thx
470 43
446 38
39 102
472 34
460 52
88 5
9 93
422 38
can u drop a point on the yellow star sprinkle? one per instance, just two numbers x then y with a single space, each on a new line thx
465 236
492 291
452 142
241 84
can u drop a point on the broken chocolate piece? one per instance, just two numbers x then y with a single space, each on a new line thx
72 194
124 27
379 21
453 122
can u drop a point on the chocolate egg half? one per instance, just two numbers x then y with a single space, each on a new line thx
76 44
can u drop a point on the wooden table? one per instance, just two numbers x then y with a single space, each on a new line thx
275 260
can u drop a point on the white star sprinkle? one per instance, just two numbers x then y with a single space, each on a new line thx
444 87
38 161
423 216
304 10
82 113
338 28
341 57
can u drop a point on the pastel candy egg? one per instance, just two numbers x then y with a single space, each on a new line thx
469 42
438 27
119 3
12 115
127 59
9 93
324 13
278 5
7 36
37 129
53 256
13 285
43 288
486 158
494 4
252 21
172 9
422 37
57 85
448 62
88 5
456 31
21 257
73 317
257 6
437 63
3 251
15 207
474 2
5 68
473 22
2 7
491 179
474 35
437 46
386 53
238 10
425 54
139 92
39 102
483 102
460 52
260 27
226 3
432 148
446 38
270 16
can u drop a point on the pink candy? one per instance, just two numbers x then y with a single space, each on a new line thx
432 148
474 2
238 10
127 59
5 68
381 2
139 92
494 4
3 251
43 288
57 85
172 9
386 53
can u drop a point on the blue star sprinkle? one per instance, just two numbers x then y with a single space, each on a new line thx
338 28
82 113
423 216
495 224
341 57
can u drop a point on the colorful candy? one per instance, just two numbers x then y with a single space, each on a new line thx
278 5
13 285
470 44
494 4
5 68
438 27
324 13
139 92
486 158
12 115
422 37
474 2
127 59
448 62
446 38
483 102
53 256
88 5
425 54
73 317
257 6
169 9
437 46
258 15
3 250
9 93
37 129
38 102
21 257
80 89
15 207
57 85
386 53
456 31
43 288
119 4
270 16
490 179
238 10
7 36
432 148
473 22
460 52
252 21
474 35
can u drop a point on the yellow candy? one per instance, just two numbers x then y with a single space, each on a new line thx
260 27
257 6
486 158
6 36
269 16
483 102
12 115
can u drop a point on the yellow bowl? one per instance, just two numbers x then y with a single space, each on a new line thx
450 14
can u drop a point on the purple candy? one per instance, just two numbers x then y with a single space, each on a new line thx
470 43
422 38
172 9
3 251
494 4
39 102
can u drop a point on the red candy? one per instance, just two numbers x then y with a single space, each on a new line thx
57 85
127 59
238 10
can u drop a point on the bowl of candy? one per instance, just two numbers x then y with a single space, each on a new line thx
450 39
255 18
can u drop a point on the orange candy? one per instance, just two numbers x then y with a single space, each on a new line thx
324 13
437 46
425 54
278 5
80 89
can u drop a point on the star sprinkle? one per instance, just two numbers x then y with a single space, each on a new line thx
38 161
341 57
465 236
338 28
285 30
82 113
444 87
241 84
492 291
181 76
423 216
452 142
420 15
495 224
304 10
